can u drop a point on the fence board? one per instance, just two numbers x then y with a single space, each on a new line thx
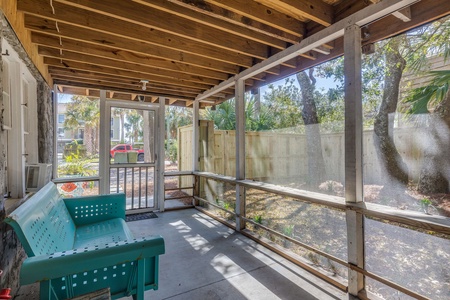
279 157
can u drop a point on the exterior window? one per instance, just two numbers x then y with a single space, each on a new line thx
111 135
61 118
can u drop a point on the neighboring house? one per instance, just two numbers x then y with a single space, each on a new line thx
68 135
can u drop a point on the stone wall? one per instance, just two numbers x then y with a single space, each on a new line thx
12 253
45 123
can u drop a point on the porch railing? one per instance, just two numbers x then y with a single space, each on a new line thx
403 218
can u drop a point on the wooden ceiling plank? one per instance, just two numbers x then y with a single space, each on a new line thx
263 14
112 72
77 79
315 10
237 19
36 24
115 89
73 56
108 29
138 14
185 12
139 58
56 71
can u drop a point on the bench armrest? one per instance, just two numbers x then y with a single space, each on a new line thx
93 209
57 265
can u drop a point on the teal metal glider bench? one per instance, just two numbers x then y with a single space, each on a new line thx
79 245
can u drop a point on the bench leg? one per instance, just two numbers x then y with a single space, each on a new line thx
140 280
46 291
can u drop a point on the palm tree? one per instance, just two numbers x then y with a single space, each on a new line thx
84 112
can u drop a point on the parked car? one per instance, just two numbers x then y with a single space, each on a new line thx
126 148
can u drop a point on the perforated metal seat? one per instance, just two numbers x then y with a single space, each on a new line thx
79 245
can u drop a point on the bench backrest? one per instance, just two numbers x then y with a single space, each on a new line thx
43 223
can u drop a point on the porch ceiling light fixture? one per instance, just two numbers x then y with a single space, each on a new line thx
208 101
144 84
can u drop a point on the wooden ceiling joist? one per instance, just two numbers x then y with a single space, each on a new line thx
134 43
314 10
121 65
237 19
186 47
192 16
70 65
117 14
263 14
124 55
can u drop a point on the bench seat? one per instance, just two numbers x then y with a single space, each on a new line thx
79 245
114 230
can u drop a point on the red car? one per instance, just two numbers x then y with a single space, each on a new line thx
126 148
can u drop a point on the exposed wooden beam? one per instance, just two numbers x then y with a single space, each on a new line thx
107 29
208 20
132 12
361 18
315 10
74 81
421 13
99 61
37 24
403 14
237 19
139 58
114 89
263 14
62 71
111 71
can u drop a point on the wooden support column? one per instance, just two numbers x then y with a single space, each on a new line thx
353 155
196 136
160 137
196 148
240 152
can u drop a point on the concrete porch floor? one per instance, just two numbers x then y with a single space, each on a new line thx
206 260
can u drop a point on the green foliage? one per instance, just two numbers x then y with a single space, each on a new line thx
288 230
171 150
176 117
425 202
75 164
421 99
257 219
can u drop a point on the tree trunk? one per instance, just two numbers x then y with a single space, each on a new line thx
316 165
394 170
434 175
149 132
122 129
89 139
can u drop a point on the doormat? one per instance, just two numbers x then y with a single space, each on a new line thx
138 217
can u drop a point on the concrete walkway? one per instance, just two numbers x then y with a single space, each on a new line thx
207 260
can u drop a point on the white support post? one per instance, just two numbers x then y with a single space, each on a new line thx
105 125
353 155
240 152
55 132
160 168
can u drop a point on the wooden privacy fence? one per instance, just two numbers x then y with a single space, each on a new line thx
280 157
